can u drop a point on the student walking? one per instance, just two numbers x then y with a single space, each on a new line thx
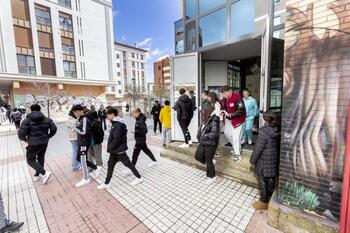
265 159
102 115
140 138
184 110
5 224
155 112
252 111
16 117
36 130
117 147
83 129
165 119
235 114
208 136
95 150
73 139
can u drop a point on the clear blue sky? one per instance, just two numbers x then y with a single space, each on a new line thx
149 24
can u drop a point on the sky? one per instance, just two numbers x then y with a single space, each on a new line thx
149 24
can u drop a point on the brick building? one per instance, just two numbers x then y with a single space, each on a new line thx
162 77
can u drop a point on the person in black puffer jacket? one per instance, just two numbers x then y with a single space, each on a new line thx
117 146
140 137
36 130
184 108
208 136
265 159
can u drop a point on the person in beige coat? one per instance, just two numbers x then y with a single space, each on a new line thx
72 137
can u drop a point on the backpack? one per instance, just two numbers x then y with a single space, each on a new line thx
17 116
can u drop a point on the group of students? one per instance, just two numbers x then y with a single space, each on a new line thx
237 114
13 115
86 133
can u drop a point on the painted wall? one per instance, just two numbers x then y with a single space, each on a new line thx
316 95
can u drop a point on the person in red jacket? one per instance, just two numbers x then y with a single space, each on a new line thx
234 111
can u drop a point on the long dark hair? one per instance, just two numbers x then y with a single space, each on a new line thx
206 115
213 97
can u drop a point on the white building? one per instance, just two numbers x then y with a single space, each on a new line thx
131 73
65 46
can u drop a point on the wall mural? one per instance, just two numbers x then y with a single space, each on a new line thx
316 96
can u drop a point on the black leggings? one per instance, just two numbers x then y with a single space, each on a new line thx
184 126
266 186
114 159
156 122
137 151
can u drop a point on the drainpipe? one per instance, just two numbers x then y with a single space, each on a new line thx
345 201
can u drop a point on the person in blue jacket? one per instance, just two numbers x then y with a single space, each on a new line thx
252 111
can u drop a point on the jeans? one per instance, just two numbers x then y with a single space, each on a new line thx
184 126
95 153
166 135
3 220
114 159
36 158
137 151
247 129
234 136
74 162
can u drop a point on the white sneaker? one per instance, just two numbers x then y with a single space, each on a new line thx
210 180
190 142
83 182
214 161
137 181
97 172
103 186
152 164
36 178
184 145
243 142
126 173
250 141
46 177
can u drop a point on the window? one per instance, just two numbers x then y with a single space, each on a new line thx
119 91
69 69
212 28
48 50
42 16
124 63
45 42
191 36
191 9
133 64
133 73
125 73
142 66
242 18
179 36
66 3
159 68
48 66
141 57
68 50
26 64
118 56
124 55
133 55
118 65
119 82
119 74
277 1
206 5
142 74
66 24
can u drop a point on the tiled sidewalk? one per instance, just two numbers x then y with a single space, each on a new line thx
17 188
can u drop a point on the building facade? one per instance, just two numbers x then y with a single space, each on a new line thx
162 77
292 55
60 50
131 74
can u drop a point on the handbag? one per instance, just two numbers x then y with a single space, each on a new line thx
199 156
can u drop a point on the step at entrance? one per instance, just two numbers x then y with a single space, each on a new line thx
225 166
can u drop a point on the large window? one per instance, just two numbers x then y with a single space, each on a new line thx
179 37
191 36
191 9
69 69
68 50
26 64
48 66
66 24
242 18
212 28
42 16
205 5
66 3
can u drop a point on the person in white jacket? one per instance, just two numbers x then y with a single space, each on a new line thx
72 137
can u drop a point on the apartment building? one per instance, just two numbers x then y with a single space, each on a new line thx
59 50
131 73
162 77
